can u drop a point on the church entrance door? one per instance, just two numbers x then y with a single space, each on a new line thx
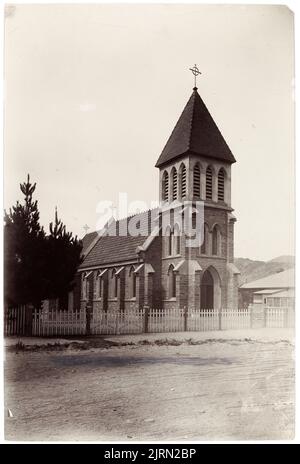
207 291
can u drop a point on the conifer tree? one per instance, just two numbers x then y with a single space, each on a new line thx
36 266
24 248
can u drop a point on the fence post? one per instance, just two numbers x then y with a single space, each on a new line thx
146 318
220 319
185 315
286 317
88 319
250 308
28 320
265 315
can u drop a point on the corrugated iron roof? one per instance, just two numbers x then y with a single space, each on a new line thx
284 279
196 132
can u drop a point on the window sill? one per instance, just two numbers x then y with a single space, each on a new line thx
170 299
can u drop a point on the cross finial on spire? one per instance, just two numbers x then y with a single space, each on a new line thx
196 72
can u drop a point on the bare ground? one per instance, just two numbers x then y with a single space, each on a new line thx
200 389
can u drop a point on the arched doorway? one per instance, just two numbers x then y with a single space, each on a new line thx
207 291
210 290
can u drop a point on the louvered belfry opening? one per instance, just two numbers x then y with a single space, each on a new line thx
209 183
221 185
196 181
165 186
174 179
183 182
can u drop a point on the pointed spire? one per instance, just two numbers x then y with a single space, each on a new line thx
196 133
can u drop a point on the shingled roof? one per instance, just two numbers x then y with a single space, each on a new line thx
197 133
114 245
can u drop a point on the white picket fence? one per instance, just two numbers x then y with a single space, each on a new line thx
57 323
67 323
280 317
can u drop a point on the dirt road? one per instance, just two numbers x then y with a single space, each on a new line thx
216 390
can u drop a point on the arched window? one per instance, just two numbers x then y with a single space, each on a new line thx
177 240
174 181
172 282
215 240
171 217
84 289
183 182
209 183
168 241
98 284
196 181
194 221
165 186
114 282
132 275
170 245
204 246
221 185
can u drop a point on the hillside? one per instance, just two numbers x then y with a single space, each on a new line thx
253 270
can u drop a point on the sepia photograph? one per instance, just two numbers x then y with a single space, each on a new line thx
149 223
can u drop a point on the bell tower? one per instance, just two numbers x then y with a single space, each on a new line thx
195 168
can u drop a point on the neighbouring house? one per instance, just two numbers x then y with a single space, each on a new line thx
155 266
275 290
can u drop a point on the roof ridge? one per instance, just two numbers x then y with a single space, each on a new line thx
136 214
192 118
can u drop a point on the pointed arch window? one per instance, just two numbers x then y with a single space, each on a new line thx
98 285
170 244
221 185
165 186
114 282
183 181
172 282
177 240
84 287
209 183
215 240
196 181
174 181
194 221
204 246
132 276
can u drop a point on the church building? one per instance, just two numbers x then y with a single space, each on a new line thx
157 266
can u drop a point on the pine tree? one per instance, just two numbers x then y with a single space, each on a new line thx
24 242
64 257
37 266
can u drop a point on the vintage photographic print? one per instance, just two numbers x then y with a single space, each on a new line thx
149 216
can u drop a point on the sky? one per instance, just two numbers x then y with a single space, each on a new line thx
92 93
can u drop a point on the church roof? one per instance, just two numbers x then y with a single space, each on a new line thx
197 133
88 240
115 243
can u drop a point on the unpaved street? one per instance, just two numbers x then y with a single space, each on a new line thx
226 389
